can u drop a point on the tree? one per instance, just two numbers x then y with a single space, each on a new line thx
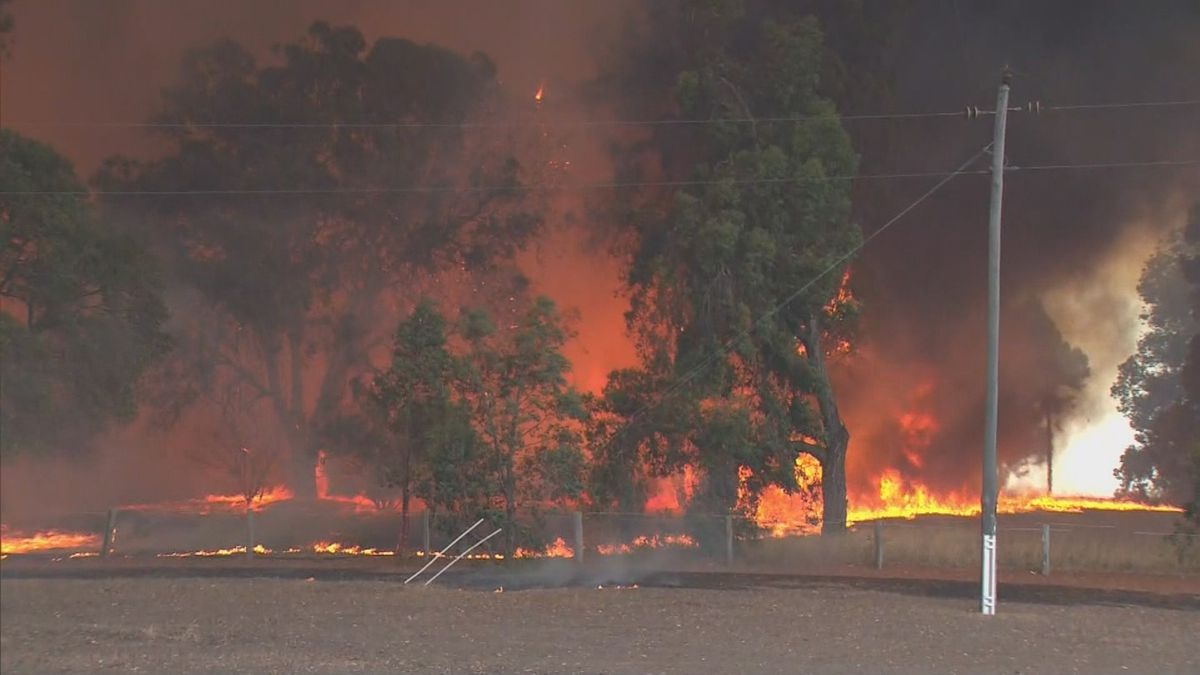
1052 374
734 280
6 27
82 316
414 398
241 451
1152 385
527 418
371 210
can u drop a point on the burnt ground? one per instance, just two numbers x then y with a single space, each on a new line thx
310 617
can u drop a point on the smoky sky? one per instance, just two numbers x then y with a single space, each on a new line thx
922 282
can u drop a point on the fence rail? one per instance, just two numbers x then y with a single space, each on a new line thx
712 539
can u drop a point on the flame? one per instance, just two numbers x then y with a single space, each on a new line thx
671 494
557 549
216 502
218 553
908 499
360 502
540 93
781 513
334 548
12 541
648 542
843 295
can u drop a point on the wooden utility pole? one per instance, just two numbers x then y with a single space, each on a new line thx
989 493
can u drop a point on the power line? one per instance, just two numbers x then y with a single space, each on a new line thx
611 185
489 188
586 123
418 124
1118 106
1101 165
695 370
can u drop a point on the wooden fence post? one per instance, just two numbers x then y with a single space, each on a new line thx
1045 550
729 541
249 533
578 536
878 545
425 534
110 534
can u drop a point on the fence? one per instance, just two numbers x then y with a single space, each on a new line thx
1053 543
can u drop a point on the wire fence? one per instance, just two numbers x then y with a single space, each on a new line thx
1040 543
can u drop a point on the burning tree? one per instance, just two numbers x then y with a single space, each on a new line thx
734 278
299 236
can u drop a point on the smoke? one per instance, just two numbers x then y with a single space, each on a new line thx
1072 238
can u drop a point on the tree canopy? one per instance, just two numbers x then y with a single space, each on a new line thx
82 315
734 280
1156 387
291 241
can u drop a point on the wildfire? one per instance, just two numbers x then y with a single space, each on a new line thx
334 548
360 502
894 497
843 296
647 542
217 553
215 502
557 549
47 540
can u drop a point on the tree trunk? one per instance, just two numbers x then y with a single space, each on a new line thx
402 544
1049 452
837 438
833 492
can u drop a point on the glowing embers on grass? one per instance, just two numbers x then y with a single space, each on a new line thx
644 543
556 549
334 548
14 541
216 553
217 503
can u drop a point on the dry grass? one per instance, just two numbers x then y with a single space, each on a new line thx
1074 547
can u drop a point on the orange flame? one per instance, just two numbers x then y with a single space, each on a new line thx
360 502
12 541
540 93
210 503
217 553
647 542
334 548
557 549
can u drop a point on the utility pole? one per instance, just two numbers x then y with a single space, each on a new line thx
988 495
990 488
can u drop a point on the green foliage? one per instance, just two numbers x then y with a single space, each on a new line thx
289 288
528 420
480 422
722 276
1152 385
82 316
413 397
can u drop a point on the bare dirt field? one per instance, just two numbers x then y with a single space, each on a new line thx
224 619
